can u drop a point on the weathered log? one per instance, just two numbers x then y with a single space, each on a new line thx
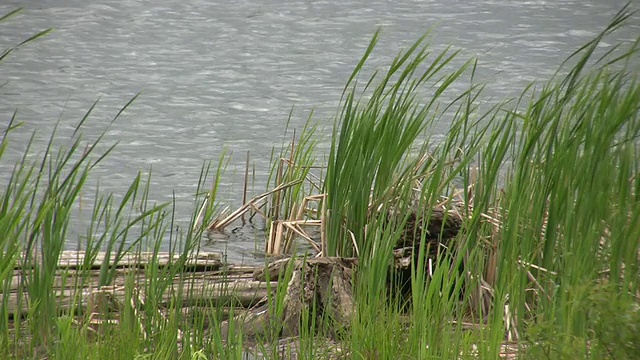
323 284
194 291
206 282
79 260
327 284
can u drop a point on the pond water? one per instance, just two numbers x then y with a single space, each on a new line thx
217 75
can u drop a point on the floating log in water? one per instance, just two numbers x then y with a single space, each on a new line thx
204 279
82 260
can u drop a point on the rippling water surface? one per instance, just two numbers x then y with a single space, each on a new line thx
225 74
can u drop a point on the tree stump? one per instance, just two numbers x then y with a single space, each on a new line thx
324 284
320 287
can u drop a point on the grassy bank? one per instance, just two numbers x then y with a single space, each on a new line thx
546 259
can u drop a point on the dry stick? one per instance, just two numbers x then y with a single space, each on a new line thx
300 213
298 216
524 263
295 227
269 245
246 181
204 204
308 199
214 223
276 199
256 209
355 243
310 176
535 281
318 186
236 214
278 240
486 293
510 324
288 240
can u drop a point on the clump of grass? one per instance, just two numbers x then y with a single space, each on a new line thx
49 318
570 203
375 136
551 208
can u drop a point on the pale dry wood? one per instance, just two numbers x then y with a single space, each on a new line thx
205 280
220 224
76 260
277 247
281 239
295 227
194 289
324 283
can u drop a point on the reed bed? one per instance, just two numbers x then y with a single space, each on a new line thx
535 254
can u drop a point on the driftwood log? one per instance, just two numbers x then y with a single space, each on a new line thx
317 290
203 280
324 284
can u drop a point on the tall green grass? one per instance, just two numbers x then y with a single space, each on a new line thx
548 255
571 204
557 172
36 206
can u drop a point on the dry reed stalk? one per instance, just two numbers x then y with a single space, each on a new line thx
293 216
277 246
215 221
313 180
281 239
510 323
256 210
526 264
221 224
199 216
537 284
275 202
295 227
354 242
302 209
246 182
268 249
100 302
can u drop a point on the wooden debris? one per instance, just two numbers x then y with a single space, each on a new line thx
323 284
220 224
82 260
78 287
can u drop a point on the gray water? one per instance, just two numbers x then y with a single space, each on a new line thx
217 75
